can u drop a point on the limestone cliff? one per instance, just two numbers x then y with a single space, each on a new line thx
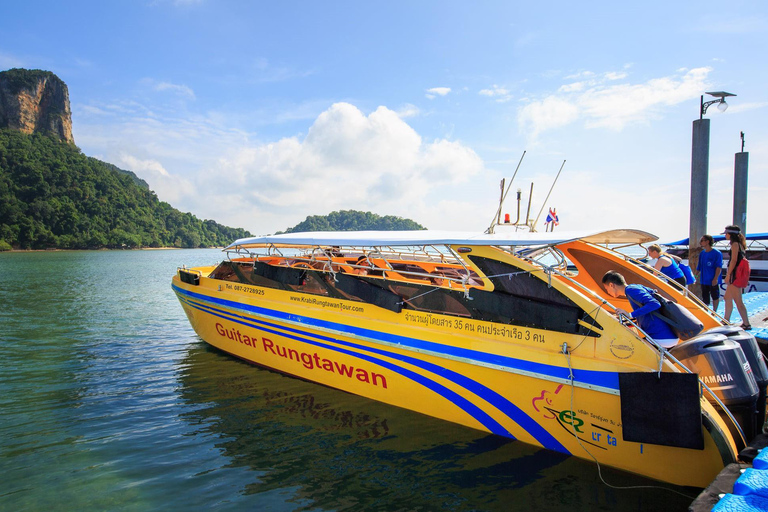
35 101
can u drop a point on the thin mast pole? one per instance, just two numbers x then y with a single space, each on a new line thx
547 198
504 195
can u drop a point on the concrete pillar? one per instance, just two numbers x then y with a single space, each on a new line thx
740 172
699 193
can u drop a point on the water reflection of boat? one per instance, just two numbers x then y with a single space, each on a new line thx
757 254
294 442
476 330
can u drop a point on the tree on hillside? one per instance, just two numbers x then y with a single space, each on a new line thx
353 220
53 196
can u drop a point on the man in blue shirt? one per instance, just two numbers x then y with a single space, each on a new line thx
643 306
709 267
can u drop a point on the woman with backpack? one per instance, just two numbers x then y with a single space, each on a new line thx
737 275
667 264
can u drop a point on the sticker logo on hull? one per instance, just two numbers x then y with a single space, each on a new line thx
622 349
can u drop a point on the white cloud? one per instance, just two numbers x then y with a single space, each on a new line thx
573 87
135 164
615 75
500 93
170 188
437 91
182 90
581 75
347 161
92 110
599 103
576 213
408 110
734 107
551 112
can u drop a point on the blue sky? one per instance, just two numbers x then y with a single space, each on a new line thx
257 114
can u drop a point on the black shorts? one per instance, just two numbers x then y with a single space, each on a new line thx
707 291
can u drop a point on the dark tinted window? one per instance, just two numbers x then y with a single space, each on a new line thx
520 298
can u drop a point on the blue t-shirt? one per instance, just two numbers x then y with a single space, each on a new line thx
672 271
708 264
643 304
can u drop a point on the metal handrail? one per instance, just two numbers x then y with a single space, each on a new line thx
663 353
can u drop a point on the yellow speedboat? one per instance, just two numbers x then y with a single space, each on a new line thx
506 333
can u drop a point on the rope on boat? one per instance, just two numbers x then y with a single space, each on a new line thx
567 354
510 274
404 301
464 282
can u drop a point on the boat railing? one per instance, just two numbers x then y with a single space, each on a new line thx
421 253
682 289
449 270
562 262
665 354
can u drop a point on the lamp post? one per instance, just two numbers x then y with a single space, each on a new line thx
700 177
722 106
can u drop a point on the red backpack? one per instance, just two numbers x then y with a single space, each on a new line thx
741 280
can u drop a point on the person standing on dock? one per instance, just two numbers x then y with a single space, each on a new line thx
709 269
736 280
667 264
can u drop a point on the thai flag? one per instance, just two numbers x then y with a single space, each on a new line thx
552 217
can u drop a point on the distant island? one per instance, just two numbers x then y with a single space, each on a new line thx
353 220
52 196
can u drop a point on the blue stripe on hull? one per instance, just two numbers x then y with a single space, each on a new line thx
492 397
481 416
609 380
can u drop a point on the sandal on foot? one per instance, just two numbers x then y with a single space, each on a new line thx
746 327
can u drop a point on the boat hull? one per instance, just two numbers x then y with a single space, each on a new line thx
496 379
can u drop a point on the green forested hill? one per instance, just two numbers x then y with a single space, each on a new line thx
352 220
53 196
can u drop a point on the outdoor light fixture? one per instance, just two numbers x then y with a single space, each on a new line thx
721 104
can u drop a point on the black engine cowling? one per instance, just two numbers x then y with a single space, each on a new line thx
722 365
756 360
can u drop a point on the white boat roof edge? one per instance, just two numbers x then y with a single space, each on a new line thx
427 237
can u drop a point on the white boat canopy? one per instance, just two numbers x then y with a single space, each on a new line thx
426 237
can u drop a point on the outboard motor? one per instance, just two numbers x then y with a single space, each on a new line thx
723 367
756 361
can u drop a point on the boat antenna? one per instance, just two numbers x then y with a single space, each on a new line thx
497 217
528 212
501 201
547 198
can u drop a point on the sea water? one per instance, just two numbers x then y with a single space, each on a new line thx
109 401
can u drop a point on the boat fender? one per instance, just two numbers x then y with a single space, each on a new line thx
189 277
